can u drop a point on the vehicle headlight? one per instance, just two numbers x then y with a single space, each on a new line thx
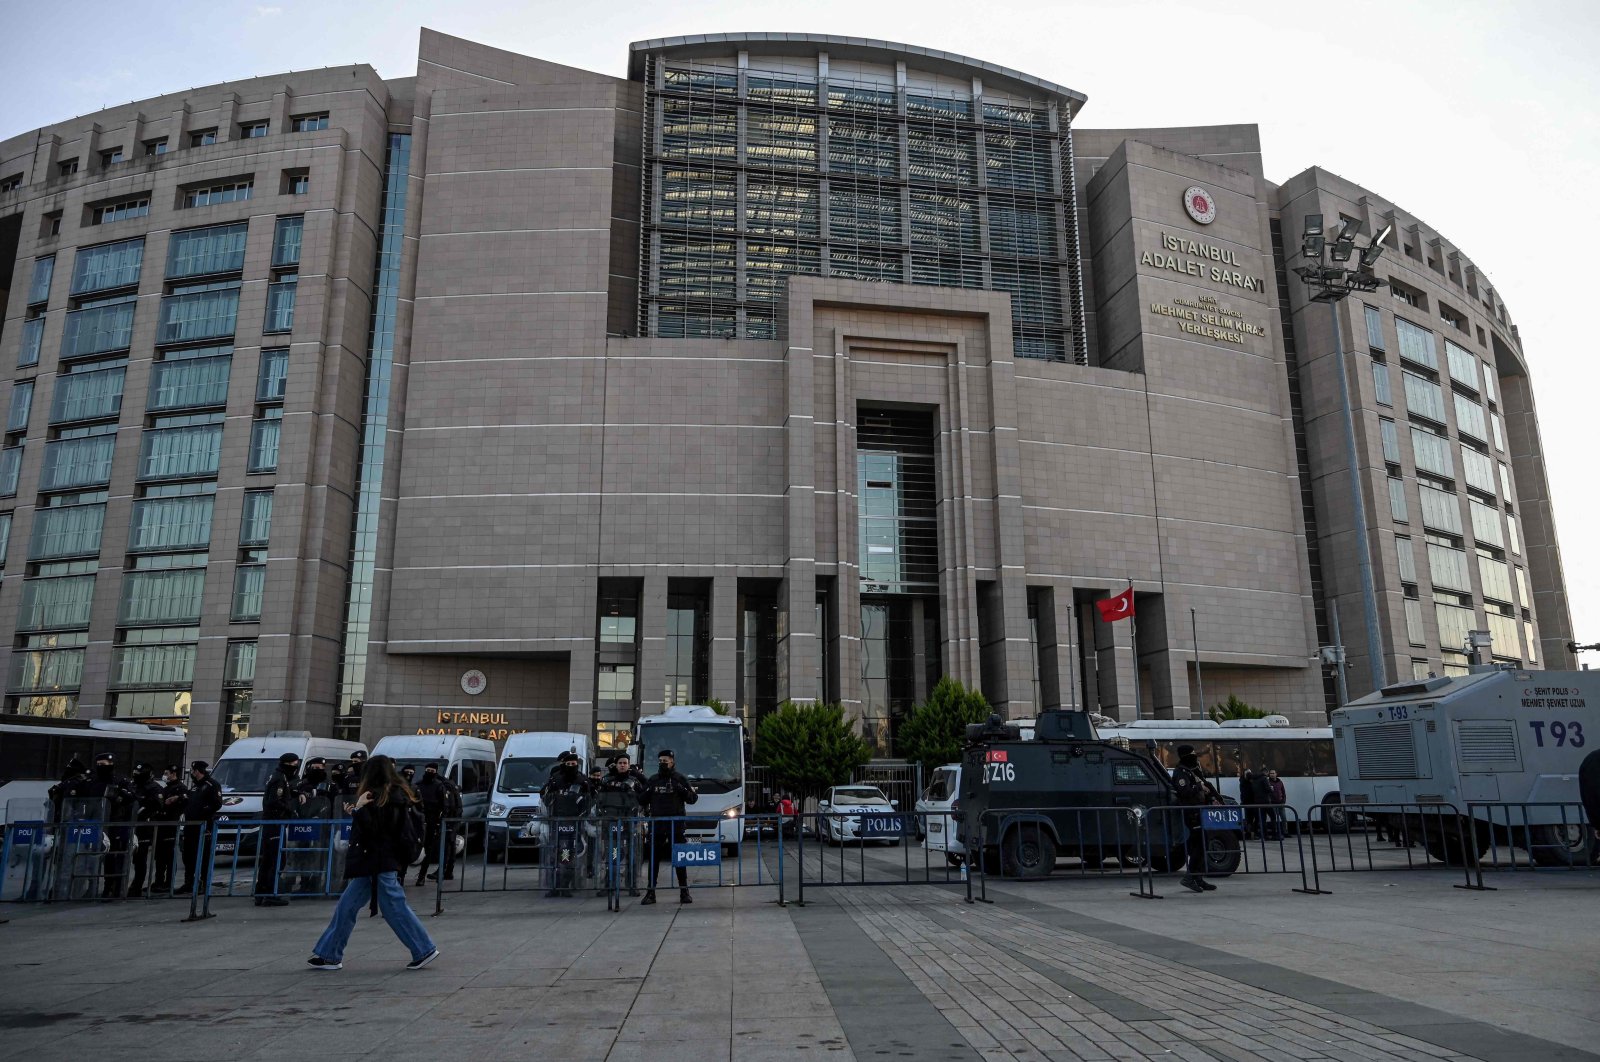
731 813
498 811
230 802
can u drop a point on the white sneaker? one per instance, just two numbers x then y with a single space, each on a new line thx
317 962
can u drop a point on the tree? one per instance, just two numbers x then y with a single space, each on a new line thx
716 706
933 732
809 746
1234 708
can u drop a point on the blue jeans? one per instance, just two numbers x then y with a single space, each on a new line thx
391 901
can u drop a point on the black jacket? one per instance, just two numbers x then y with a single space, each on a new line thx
617 796
1193 789
664 795
441 798
203 800
374 837
280 801
173 797
120 800
149 793
566 795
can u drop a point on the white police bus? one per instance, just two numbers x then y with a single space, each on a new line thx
34 751
709 750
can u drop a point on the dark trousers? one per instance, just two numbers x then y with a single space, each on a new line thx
1195 851
438 833
115 866
191 850
165 842
146 836
663 835
267 860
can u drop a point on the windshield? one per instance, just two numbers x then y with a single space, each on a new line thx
525 774
710 755
244 776
859 795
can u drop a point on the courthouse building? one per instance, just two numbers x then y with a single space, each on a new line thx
512 396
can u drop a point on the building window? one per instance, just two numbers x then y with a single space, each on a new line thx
255 526
1406 559
110 157
1469 418
1382 390
60 602
1391 440
1423 397
171 523
81 461
308 123
89 393
1397 499
108 267
1478 470
202 137
1497 428
1431 453
66 167
1441 510
280 305
32 340
1374 327
10 184
265 433
1416 343
203 252
156 147
614 688
251 130
5 537
162 597
178 449
688 647
1415 632
273 376
295 182
10 468
239 669
286 235
249 586
99 328
44 271
190 382
213 194
64 531
199 311
128 208
21 406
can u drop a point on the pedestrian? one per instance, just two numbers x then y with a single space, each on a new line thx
109 799
664 798
279 804
383 837
564 800
1247 796
173 795
788 825
1589 791
352 779
408 774
200 806
1194 792
1260 799
616 805
1277 796
148 808
441 804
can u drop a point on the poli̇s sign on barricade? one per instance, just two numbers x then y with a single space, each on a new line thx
1223 818
881 825
697 855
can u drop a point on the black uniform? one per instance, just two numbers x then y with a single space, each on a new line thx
107 798
201 802
279 802
441 802
1194 792
664 797
174 794
616 803
147 794
565 799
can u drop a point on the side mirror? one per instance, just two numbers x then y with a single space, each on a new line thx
823 805
894 804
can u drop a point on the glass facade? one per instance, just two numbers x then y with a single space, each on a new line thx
67 531
183 452
255 525
374 440
108 266
286 236
1416 343
170 523
753 176
21 406
32 340
280 306
195 312
202 252
98 329
160 598
60 603
80 462
249 584
93 395
189 383
272 376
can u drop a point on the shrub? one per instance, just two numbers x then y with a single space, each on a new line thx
809 746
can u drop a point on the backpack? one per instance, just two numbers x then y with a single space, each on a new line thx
408 842
452 801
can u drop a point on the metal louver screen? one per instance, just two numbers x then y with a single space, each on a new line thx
1386 750
1487 743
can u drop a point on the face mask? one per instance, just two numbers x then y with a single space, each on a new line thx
428 776
141 776
316 775
664 768
291 769
103 771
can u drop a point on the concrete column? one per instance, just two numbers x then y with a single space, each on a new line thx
1166 647
650 673
725 638
226 119
279 115
797 636
580 686
1114 674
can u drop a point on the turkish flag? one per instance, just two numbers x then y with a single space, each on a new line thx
1116 608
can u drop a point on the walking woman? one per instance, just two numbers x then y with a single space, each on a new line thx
377 833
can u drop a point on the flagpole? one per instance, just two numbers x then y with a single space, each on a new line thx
1133 617
1072 651
1194 631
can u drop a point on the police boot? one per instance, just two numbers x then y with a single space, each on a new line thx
649 898
1191 883
684 897
1206 885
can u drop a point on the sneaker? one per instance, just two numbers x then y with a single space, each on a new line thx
1192 884
317 962
272 901
1206 885
417 964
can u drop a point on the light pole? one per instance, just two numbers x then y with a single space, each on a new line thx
1329 275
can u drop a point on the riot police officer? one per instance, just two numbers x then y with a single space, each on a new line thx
664 796
200 806
1194 792
564 799
616 803
280 801
147 794
441 804
173 796
110 799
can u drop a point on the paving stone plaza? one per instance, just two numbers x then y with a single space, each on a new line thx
1388 966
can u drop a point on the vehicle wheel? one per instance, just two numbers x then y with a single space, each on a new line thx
1335 819
1027 853
1222 854
1442 836
991 862
1560 846
495 855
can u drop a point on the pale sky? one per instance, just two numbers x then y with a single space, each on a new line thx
1478 117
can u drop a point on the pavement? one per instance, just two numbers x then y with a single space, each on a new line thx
1390 965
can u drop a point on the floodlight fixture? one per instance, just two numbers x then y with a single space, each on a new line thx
1374 250
1345 243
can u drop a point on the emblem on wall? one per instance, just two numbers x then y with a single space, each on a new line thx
1200 205
473 682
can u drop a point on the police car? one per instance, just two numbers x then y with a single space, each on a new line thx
858 813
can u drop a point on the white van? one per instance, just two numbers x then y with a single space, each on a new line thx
525 764
469 762
245 766
936 813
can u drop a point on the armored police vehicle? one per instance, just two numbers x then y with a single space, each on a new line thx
1065 792
1497 751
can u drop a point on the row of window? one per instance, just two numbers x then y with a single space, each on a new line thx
158 146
